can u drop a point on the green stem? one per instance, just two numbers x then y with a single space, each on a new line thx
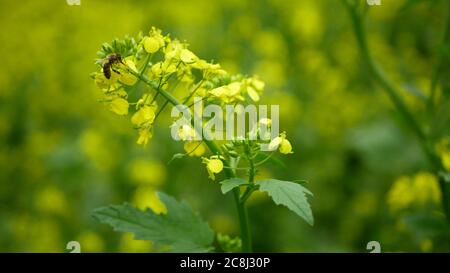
244 224
398 102
250 189
251 175
241 209
147 60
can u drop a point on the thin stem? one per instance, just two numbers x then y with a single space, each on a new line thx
195 148
161 84
147 60
167 102
264 160
190 105
193 91
212 146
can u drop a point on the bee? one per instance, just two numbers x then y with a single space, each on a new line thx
108 63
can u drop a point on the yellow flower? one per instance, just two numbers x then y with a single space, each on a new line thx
173 50
426 188
400 195
187 56
154 41
119 106
194 148
254 88
162 68
131 64
421 189
252 93
186 132
446 160
102 82
204 65
228 93
146 114
125 76
285 147
213 165
128 79
151 44
257 84
443 150
144 136
281 143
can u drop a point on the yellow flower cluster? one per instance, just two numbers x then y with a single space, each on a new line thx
168 64
421 189
176 64
143 120
113 92
236 91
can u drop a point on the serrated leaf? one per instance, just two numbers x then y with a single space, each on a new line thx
229 184
289 194
180 228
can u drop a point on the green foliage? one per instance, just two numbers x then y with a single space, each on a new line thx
180 228
228 244
229 184
289 194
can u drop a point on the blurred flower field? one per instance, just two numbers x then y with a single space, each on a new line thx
63 154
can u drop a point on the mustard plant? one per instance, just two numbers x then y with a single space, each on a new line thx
165 67
432 138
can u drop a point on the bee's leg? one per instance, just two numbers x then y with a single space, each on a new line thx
115 70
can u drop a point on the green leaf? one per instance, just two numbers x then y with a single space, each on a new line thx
289 194
229 184
180 228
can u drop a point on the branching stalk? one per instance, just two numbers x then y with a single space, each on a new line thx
212 146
